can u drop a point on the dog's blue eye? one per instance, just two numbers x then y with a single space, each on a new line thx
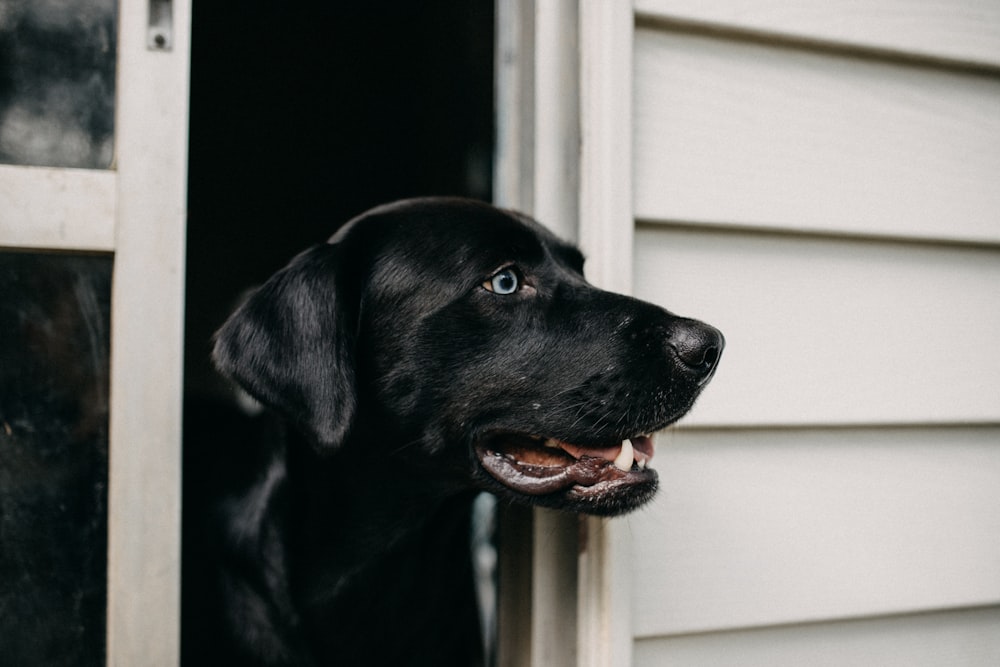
503 282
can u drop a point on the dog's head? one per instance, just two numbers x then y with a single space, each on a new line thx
464 342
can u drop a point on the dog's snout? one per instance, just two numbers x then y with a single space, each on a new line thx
697 346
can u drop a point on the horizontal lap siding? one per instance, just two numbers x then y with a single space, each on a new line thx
766 527
964 31
827 331
945 639
834 497
739 133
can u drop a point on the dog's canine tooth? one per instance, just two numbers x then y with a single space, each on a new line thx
642 464
625 457
552 442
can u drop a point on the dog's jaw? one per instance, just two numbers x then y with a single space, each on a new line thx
604 480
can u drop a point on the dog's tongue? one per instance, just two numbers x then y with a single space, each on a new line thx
535 475
535 480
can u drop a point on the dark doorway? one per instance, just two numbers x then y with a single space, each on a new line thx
303 115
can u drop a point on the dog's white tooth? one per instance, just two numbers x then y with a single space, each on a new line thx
625 457
642 464
551 442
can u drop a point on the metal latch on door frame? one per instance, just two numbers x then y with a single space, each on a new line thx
160 30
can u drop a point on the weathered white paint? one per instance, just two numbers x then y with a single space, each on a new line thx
966 31
741 133
146 352
63 209
834 331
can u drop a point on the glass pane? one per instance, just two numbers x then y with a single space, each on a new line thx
57 82
54 346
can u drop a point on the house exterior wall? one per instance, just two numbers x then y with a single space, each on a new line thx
821 180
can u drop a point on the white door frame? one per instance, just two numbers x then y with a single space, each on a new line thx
136 210
564 155
147 315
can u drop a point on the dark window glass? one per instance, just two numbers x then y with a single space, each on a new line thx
57 82
54 346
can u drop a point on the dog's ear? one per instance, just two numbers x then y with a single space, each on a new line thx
291 345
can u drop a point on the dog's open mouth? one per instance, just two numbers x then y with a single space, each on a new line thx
537 466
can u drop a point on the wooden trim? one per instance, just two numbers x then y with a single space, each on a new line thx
513 168
513 188
147 338
568 163
606 233
555 149
537 172
63 209
557 123
606 143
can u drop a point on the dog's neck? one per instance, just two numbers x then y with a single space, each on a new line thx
355 506
370 541
325 548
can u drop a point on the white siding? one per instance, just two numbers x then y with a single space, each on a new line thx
821 180
964 31
762 527
948 639
834 331
732 132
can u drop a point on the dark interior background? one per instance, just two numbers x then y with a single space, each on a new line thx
306 113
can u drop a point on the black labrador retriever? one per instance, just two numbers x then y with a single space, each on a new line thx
433 349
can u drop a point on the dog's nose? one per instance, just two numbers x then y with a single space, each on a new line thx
697 346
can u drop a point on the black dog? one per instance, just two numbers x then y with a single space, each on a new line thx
432 349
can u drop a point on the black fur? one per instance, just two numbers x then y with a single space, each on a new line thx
404 384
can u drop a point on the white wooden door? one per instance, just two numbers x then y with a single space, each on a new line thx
122 198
